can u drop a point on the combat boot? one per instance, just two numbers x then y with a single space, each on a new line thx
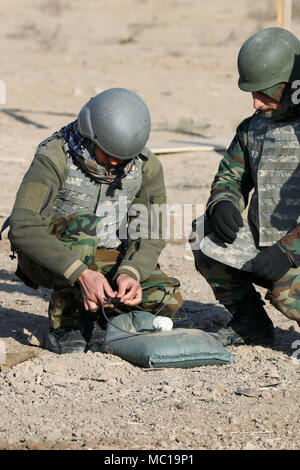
97 338
250 323
65 340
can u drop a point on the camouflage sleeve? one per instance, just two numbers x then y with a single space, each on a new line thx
233 180
290 243
142 253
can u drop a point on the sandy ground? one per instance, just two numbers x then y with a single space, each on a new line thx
180 55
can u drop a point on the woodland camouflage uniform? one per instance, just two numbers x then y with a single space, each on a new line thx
264 160
234 181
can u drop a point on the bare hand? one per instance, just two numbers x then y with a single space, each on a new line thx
94 288
130 290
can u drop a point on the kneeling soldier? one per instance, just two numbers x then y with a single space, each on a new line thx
70 224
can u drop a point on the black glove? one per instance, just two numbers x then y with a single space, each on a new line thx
226 221
271 264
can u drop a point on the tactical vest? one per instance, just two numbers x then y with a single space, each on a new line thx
79 193
274 151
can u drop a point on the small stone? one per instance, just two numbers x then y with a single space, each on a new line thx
36 339
54 435
219 389
247 392
188 258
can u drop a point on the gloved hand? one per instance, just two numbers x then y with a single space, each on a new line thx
226 221
271 264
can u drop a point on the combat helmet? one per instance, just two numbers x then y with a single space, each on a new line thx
116 120
267 58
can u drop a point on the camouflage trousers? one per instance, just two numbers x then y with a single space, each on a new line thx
230 285
160 293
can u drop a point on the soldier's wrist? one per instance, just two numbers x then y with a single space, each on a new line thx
130 270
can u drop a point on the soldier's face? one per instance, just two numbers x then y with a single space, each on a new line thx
106 160
264 102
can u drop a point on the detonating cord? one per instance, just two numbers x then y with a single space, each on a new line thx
160 307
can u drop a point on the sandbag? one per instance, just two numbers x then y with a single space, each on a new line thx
139 344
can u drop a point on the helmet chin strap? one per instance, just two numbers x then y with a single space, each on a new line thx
287 108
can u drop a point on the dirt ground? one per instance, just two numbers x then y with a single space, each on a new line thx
180 56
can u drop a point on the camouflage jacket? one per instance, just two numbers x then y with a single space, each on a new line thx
234 182
33 212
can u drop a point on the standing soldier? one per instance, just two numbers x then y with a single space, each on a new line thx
264 156
72 210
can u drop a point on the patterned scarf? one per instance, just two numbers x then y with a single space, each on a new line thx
78 148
